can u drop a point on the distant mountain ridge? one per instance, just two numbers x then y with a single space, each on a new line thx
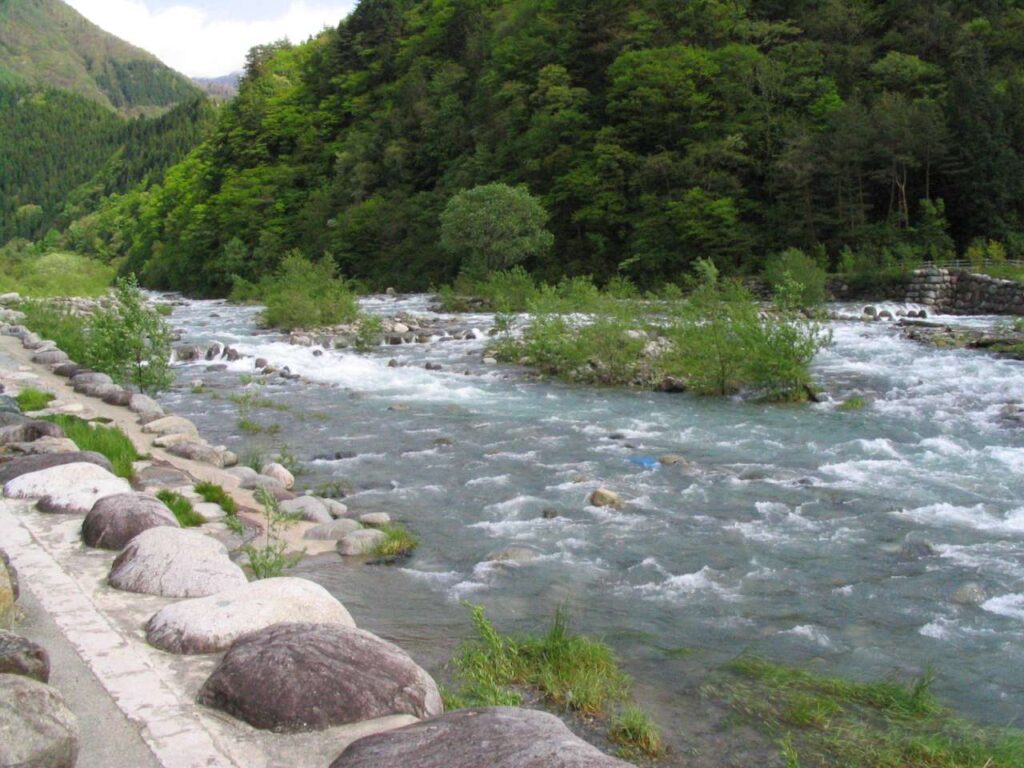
47 44
223 87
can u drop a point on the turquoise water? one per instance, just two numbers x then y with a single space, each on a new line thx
781 534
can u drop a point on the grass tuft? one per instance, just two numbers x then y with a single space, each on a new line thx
215 494
33 399
855 403
399 542
635 733
182 509
108 441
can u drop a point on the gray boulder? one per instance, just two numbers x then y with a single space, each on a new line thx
212 624
147 408
29 431
82 380
172 562
69 369
115 520
37 730
193 450
361 542
171 425
119 397
321 675
20 656
68 488
308 508
496 737
333 531
23 466
50 357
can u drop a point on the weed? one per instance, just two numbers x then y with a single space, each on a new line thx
108 441
634 731
182 509
399 542
33 399
855 403
270 559
215 494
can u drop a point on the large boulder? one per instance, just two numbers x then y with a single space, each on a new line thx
20 656
115 520
321 675
496 737
37 730
307 508
88 378
25 465
43 445
195 450
279 473
28 431
69 488
173 562
50 357
147 408
362 542
171 425
212 624
336 530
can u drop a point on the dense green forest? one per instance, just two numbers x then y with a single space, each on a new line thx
654 132
62 154
47 44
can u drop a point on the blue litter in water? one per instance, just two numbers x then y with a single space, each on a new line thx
647 462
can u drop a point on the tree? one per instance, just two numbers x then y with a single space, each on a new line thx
131 341
494 226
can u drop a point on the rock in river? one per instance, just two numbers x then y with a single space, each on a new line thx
603 497
172 562
308 508
37 730
115 520
212 624
321 675
280 474
496 737
361 542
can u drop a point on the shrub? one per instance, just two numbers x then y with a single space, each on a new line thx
803 270
55 274
182 509
59 325
131 341
107 441
399 542
270 559
33 399
307 294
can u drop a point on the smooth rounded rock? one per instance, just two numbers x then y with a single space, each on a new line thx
308 508
321 675
971 593
375 519
37 730
171 425
361 542
334 507
50 357
174 562
495 737
603 497
212 624
29 431
193 450
279 473
336 530
512 555
115 520
67 489
27 464
20 656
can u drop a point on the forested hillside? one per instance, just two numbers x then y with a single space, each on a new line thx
47 44
653 131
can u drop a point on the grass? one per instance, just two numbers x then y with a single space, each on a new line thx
828 721
182 509
215 494
108 441
33 399
636 734
57 325
399 542
855 403
56 274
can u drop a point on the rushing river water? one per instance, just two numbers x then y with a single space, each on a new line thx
781 535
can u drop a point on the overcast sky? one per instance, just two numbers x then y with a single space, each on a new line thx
204 38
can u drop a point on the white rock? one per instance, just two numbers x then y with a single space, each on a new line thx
212 624
175 563
333 531
280 474
336 508
375 519
361 542
171 425
71 488
310 508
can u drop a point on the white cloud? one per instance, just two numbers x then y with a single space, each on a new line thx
192 41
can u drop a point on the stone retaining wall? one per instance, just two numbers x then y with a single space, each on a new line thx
963 293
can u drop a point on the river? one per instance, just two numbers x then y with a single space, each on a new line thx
781 535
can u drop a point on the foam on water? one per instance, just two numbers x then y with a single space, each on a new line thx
976 517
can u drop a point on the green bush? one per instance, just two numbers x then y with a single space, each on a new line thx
59 325
304 294
399 542
801 269
182 509
107 441
269 559
131 341
54 274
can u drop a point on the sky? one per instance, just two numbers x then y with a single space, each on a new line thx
204 38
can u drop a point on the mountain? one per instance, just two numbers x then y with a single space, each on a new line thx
47 44
868 134
223 87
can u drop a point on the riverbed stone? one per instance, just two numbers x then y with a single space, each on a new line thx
336 530
195 450
671 460
50 357
603 497
21 656
309 508
915 546
146 407
174 562
512 555
68 488
496 737
361 542
27 464
119 397
166 441
212 624
159 477
334 507
971 593
115 520
85 378
37 730
255 481
171 425
29 431
279 473
375 519
321 675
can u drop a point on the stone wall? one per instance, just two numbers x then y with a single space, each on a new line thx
963 293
